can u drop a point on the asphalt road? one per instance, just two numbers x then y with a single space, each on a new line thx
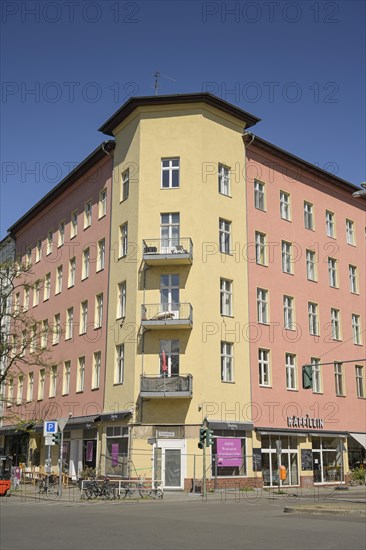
171 525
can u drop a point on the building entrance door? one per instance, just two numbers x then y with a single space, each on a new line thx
172 464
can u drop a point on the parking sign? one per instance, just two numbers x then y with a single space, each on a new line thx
50 427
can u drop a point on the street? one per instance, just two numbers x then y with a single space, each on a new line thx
187 524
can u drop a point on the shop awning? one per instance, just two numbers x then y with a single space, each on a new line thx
107 417
360 437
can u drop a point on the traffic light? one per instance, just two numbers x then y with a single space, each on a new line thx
307 377
56 438
209 438
202 441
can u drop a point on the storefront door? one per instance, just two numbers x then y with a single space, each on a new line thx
171 470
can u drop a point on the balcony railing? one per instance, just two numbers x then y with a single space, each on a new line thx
178 251
167 315
166 386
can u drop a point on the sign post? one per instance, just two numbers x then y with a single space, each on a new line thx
61 425
279 452
49 429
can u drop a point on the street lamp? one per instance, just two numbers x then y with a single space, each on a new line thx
361 192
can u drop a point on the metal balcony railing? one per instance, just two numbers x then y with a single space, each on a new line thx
178 249
166 386
167 314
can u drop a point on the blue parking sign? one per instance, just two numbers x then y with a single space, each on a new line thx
50 427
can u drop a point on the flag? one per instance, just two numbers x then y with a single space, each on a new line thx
164 366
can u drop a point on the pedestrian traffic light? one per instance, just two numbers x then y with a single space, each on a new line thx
209 438
307 377
202 441
56 438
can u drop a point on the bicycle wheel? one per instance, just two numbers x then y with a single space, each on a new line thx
88 493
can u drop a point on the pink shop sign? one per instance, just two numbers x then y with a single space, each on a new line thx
229 451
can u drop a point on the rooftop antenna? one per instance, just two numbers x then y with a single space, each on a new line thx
157 75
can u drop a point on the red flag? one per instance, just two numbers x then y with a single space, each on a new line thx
164 366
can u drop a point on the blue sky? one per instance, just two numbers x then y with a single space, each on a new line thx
67 66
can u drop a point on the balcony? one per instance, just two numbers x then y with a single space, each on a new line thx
167 316
166 386
166 251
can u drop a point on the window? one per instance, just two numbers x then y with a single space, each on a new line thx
20 390
169 231
121 303
28 259
72 271
311 265
61 233
58 279
350 234
66 378
119 368
263 365
74 224
360 385
33 339
38 250
86 264
87 214
352 274
123 240
335 324
356 329
23 344
170 173
101 255
47 287
288 313
260 248
291 378
80 374
26 299
308 215
262 305
56 328
44 334
259 202
30 386
313 319
317 386
225 236
83 317
41 380
338 378
96 370
53 382
226 297
17 303
224 180
10 392
227 366
169 357
285 207
286 257
98 311
332 272
330 224
102 207
49 242
125 184
69 323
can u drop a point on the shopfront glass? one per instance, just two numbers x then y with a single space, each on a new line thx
116 462
289 459
327 459
229 453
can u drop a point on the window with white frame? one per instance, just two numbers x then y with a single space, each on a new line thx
26 299
356 329
97 361
69 323
61 233
317 382
169 357
102 206
330 223
17 303
259 198
83 317
74 224
123 240
227 362
226 297
260 248
308 215
49 242
170 173
86 263
80 374
72 271
125 184
313 318
10 392
119 365
20 389
169 231
38 250
335 319
44 333
338 379
360 383
101 255
311 265
350 232
28 257
56 328
98 311
33 339
225 236
332 272
47 287
66 378
87 214
53 381
288 313
30 386
224 180
352 274
121 301
285 206
291 375
23 344
262 305
286 248
264 367
41 382
58 279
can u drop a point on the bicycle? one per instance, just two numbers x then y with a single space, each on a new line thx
93 489
47 485
138 489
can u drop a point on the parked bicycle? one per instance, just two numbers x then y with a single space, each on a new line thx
47 485
137 489
93 489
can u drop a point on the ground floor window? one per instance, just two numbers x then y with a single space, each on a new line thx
327 459
116 462
289 459
229 453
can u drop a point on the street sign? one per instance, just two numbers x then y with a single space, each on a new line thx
62 423
50 427
48 440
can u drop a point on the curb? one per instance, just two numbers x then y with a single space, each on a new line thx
324 511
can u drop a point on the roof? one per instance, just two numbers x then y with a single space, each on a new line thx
177 99
98 154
